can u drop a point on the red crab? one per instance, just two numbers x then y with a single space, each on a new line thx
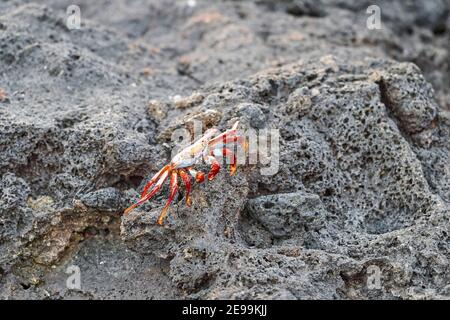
207 148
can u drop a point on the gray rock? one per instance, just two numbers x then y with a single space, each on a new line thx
286 214
103 199
252 114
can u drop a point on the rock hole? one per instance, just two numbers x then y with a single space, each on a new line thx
268 205
25 286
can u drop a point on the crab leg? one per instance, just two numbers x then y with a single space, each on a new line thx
215 166
224 152
153 180
226 141
173 190
222 136
187 183
150 194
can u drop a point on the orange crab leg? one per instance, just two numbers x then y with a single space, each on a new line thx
173 190
229 140
238 139
224 152
153 180
187 183
222 136
215 167
150 194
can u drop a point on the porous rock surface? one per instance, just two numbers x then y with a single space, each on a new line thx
363 184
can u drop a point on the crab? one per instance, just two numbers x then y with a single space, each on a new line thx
207 148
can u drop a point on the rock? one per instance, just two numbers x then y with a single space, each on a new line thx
286 214
409 97
103 199
252 114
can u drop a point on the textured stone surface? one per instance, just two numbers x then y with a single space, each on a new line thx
86 117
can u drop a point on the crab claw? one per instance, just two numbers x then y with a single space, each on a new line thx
197 175
226 153
215 166
231 133
153 180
